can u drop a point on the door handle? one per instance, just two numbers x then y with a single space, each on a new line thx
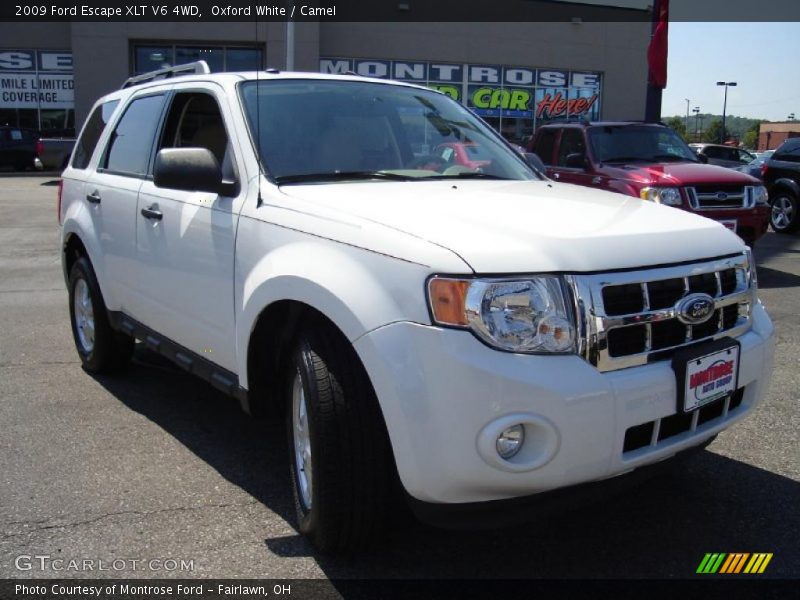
94 197
596 180
151 213
556 175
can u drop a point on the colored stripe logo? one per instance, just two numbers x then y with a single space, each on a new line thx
734 563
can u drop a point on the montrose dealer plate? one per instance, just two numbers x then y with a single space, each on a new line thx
706 373
730 224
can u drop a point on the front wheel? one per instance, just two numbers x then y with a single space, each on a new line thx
100 347
340 457
783 215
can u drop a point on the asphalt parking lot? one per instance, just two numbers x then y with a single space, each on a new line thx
157 465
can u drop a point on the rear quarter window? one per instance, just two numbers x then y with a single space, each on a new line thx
545 145
95 126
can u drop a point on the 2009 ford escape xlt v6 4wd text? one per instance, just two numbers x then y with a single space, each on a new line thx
475 334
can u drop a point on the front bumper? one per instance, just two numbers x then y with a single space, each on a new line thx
751 223
445 395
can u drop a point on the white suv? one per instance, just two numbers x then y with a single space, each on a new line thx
476 334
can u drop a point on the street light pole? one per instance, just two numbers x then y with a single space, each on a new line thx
727 84
686 123
696 111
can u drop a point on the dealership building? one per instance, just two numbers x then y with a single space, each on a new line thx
517 76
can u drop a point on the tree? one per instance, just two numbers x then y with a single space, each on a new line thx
679 126
750 137
713 133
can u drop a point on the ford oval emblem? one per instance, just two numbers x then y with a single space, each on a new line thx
695 309
722 196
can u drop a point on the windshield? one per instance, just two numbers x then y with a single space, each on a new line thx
646 143
327 130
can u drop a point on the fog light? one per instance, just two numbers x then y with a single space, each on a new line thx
510 441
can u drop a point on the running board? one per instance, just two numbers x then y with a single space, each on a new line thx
222 379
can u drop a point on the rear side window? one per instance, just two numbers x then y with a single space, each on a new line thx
789 151
91 134
129 148
545 145
571 143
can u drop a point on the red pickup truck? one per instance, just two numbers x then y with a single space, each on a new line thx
651 161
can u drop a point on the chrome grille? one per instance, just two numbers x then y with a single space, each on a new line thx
707 197
630 318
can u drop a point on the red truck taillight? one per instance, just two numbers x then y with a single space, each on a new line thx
59 192
39 148
764 168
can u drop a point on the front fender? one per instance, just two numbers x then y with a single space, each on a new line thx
356 289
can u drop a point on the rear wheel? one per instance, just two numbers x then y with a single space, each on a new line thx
340 458
784 212
100 347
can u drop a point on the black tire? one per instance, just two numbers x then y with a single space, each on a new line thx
102 350
350 455
783 216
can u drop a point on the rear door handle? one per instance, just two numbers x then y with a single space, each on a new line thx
94 197
151 213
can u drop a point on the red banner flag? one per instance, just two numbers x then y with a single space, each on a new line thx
657 51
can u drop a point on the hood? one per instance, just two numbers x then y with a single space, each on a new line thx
677 174
526 226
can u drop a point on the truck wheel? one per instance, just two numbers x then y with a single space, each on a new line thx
784 213
100 347
340 457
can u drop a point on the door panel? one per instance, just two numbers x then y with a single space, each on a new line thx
113 211
186 258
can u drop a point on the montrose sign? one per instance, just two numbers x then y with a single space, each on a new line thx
491 90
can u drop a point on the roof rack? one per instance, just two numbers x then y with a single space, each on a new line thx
195 68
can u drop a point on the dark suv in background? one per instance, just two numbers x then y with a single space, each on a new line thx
652 162
781 175
17 148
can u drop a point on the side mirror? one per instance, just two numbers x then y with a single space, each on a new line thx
189 169
703 158
534 162
576 160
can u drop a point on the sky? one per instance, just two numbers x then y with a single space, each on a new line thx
760 57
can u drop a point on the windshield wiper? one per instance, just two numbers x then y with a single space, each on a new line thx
340 176
467 175
627 159
673 158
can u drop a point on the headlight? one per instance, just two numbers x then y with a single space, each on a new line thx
663 195
526 315
760 195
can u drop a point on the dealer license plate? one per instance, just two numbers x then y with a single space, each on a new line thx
710 374
730 224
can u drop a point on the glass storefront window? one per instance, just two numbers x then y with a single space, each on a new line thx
213 56
243 59
24 118
58 122
152 58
